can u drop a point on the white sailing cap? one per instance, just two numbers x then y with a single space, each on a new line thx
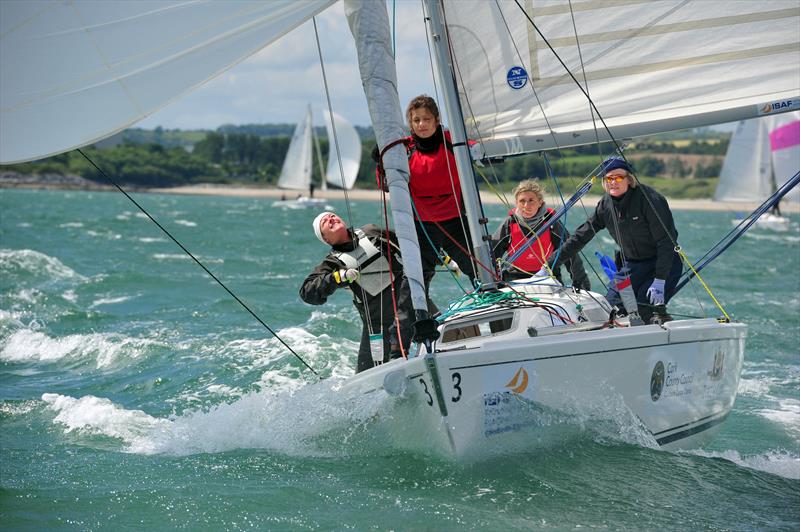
317 222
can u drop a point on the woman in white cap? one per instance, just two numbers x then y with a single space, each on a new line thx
359 260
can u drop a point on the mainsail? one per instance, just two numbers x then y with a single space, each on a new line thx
296 170
648 66
344 147
762 155
72 73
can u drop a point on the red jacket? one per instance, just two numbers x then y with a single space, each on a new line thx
535 255
434 184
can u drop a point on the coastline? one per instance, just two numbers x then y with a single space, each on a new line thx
210 189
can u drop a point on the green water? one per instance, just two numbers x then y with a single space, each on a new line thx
135 393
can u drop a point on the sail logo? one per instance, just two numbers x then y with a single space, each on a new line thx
519 383
779 106
657 381
517 77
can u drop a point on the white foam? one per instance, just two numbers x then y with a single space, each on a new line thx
757 387
149 239
786 413
778 462
97 416
110 301
187 223
104 349
71 224
35 262
311 421
70 296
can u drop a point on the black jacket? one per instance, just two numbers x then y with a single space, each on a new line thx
320 283
643 229
501 240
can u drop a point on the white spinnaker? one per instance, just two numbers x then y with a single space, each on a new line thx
72 73
651 66
296 170
349 150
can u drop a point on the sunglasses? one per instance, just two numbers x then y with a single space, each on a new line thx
614 178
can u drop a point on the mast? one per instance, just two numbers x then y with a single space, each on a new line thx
469 190
323 185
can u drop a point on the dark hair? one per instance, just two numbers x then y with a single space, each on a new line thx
423 101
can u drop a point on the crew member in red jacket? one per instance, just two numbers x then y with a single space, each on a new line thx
436 192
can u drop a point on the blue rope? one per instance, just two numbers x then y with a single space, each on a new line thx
546 226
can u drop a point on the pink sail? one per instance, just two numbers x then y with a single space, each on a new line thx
785 136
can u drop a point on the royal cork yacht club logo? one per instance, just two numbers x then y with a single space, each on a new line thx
519 382
716 372
657 381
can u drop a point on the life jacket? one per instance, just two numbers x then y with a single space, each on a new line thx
370 262
430 182
535 255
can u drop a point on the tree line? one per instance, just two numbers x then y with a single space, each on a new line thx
249 158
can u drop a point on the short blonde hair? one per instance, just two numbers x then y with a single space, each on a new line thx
529 185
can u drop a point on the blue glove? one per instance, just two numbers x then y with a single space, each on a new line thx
656 292
608 265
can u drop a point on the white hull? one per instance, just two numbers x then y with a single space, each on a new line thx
770 221
676 382
300 203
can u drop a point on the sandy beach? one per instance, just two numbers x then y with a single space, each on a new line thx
486 197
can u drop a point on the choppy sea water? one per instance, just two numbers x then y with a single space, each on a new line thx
134 392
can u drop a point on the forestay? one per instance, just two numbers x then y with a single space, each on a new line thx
650 66
72 73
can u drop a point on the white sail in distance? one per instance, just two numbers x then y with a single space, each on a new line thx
762 155
349 152
649 67
296 170
72 73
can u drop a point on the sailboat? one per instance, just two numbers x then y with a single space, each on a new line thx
344 158
492 376
763 154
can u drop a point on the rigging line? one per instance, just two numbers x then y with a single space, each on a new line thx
464 231
600 116
740 229
541 107
335 141
585 92
585 80
189 253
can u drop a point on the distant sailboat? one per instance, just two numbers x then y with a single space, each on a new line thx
343 147
763 154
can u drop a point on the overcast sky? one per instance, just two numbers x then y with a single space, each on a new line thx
277 84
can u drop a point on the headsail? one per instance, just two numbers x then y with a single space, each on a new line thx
296 170
72 73
651 67
349 149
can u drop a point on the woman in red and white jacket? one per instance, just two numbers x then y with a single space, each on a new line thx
436 192
522 223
